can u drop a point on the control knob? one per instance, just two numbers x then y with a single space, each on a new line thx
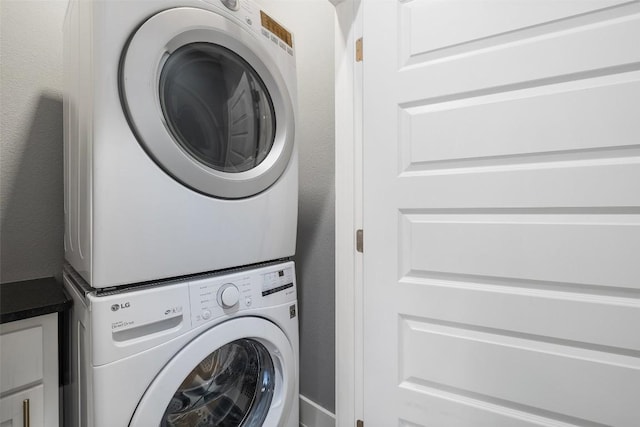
231 4
228 295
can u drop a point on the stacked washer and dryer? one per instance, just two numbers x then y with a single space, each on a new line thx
181 184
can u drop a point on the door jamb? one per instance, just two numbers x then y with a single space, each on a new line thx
348 215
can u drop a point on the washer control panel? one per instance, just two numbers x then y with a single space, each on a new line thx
213 297
125 322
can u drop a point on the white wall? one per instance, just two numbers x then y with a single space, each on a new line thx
31 194
31 163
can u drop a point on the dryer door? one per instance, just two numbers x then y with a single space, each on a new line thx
207 102
239 373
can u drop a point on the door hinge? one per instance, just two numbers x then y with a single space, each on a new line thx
359 240
359 50
359 423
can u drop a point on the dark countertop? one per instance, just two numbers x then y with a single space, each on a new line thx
30 298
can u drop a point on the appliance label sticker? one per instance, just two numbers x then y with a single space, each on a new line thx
278 30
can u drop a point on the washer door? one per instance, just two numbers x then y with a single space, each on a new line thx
239 373
207 103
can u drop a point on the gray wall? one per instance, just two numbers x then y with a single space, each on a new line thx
312 23
31 195
31 203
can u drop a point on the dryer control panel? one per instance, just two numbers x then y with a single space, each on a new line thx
211 298
252 15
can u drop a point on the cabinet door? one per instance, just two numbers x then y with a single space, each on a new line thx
11 408
29 354
21 351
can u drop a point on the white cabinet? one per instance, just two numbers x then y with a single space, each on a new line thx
29 372
14 406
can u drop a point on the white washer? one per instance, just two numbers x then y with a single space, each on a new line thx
211 350
179 138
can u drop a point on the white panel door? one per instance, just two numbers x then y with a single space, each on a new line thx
501 213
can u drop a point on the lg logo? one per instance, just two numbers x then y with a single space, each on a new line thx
116 307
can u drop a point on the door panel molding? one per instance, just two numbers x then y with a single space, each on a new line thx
501 200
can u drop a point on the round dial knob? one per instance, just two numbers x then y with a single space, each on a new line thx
228 295
231 4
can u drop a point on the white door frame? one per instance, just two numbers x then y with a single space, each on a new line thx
348 178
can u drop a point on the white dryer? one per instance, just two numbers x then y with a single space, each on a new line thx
216 350
179 119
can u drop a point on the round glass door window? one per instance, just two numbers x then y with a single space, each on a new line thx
231 387
216 107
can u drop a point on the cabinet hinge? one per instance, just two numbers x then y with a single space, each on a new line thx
359 423
359 50
359 240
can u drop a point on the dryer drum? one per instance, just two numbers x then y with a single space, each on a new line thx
217 107
231 387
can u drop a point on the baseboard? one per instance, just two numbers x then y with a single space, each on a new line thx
314 415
